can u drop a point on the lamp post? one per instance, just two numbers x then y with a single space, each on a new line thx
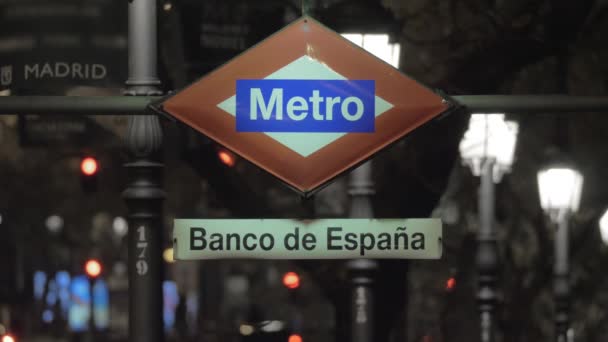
560 188
361 271
144 194
372 27
488 147
369 25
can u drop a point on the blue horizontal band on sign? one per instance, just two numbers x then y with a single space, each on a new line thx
305 106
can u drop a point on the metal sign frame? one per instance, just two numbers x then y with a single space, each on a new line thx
139 105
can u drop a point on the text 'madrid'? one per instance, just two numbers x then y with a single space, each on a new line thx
269 105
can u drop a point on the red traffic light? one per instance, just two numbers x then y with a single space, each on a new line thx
226 157
291 280
88 166
93 268
450 284
294 338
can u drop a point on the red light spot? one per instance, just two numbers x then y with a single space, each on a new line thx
226 157
8 338
450 284
88 166
93 268
291 280
295 338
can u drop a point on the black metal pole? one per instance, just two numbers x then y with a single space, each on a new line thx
75 105
361 271
118 105
531 104
561 281
92 308
487 253
144 195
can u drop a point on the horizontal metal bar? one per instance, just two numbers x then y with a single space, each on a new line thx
529 104
76 105
136 105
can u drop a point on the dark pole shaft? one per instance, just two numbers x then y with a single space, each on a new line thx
144 195
561 282
362 305
142 44
487 254
361 270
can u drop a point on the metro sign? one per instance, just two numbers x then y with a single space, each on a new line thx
305 104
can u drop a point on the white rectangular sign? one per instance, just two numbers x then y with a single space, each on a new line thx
312 239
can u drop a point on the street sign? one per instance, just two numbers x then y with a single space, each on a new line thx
42 53
305 105
218 30
314 239
35 130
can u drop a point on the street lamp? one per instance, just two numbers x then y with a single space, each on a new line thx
377 44
604 227
487 148
368 24
560 188
489 136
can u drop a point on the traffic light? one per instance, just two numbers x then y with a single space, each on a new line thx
295 338
291 280
93 268
450 284
89 168
8 338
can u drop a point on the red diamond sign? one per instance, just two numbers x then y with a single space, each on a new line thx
305 105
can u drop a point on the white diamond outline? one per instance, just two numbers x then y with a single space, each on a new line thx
305 143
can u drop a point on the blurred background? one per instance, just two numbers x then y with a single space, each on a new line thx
63 273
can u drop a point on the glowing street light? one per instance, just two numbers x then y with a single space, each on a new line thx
560 187
604 227
378 45
488 148
489 136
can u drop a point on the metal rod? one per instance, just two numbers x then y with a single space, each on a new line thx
144 195
75 105
561 281
362 305
529 104
361 271
117 105
487 254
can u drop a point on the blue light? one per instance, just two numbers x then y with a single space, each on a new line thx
51 295
170 302
39 284
80 306
101 305
63 279
64 302
48 316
